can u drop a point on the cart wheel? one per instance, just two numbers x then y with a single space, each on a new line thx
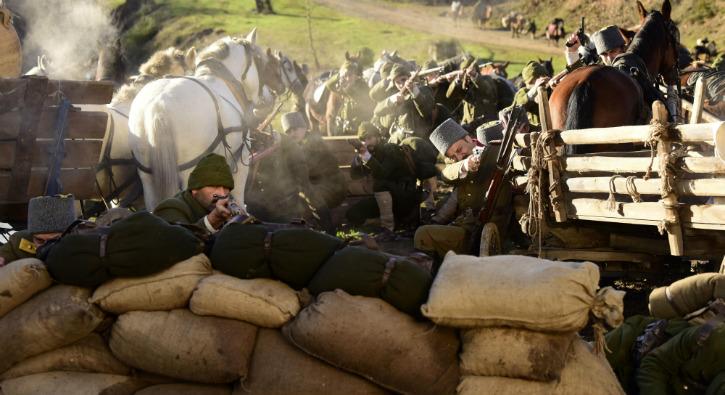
490 241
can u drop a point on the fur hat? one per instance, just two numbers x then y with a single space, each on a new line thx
446 134
489 131
51 214
367 129
212 170
532 71
293 120
607 39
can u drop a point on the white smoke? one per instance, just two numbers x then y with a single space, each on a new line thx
69 32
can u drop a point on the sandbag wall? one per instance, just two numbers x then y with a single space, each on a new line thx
192 329
519 318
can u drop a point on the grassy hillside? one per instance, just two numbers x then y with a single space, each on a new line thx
695 18
162 23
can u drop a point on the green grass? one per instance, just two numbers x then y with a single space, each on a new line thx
171 22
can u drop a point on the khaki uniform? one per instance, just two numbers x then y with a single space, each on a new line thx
356 104
479 97
471 196
379 93
18 247
414 115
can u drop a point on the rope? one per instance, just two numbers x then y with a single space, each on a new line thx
632 189
612 200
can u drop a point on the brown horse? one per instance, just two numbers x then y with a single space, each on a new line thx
555 31
602 96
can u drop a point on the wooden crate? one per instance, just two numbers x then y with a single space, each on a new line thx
28 108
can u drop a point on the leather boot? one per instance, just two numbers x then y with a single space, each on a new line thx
385 205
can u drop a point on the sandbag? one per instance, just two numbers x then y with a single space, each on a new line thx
54 318
687 295
20 280
166 290
279 368
255 251
90 354
369 337
184 388
517 353
184 346
584 373
521 292
71 383
139 245
364 272
262 302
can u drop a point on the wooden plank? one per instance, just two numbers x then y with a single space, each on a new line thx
544 112
701 132
79 182
628 165
698 187
81 124
83 92
521 163
669 196
705 116
20 174
706 216
11 97
524 140
594 255
698 101
79 153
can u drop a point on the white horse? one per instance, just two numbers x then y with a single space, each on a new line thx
175 122
116 171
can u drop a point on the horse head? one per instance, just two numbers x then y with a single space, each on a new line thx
657 42
285 74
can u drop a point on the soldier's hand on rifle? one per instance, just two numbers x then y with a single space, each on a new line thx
472 163
220 214
541 81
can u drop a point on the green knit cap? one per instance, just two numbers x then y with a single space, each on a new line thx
532 71
398 70
212 170
367 129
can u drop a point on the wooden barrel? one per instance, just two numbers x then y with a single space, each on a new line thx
11 54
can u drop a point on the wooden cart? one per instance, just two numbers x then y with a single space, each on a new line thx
656 192
33 133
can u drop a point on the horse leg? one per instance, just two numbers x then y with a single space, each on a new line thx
240 178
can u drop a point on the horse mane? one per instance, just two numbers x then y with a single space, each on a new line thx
158 65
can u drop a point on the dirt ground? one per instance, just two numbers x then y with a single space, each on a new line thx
427 19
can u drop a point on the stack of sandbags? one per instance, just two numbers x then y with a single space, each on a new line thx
520 317
361 271
685 297
20 280
371 338
255 251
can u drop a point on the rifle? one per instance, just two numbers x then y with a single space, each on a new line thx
503 161
580 35
438 69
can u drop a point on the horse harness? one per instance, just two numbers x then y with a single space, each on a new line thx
218 70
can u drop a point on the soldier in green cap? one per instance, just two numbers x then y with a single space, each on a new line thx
379 92
394 180
48 217
206 200
534 75
477 92
412 106
349 102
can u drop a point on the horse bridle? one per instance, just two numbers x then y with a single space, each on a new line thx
287 68
674 38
